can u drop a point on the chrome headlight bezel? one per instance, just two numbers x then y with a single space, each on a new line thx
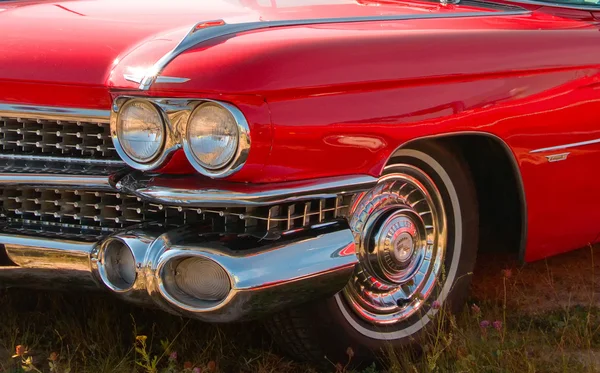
119 132
162 154
176 115
239 155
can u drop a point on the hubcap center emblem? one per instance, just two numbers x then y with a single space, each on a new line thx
395 245
404 248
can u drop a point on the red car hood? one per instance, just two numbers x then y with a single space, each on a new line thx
80 42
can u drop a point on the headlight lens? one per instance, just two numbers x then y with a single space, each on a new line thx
212 136
140 131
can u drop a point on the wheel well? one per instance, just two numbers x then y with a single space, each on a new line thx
4 260
500 195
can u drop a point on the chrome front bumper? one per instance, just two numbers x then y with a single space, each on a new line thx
265 274
65 196
263 279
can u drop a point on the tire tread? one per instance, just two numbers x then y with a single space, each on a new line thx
319 332
292 330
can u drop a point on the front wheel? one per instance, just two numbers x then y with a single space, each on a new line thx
416 236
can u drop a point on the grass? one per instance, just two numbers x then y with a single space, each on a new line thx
508 330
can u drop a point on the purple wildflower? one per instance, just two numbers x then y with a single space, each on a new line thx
173 356
484 325
497 325
436 305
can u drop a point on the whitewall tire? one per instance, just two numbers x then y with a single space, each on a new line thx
416 235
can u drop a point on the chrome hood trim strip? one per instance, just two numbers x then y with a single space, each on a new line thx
213 29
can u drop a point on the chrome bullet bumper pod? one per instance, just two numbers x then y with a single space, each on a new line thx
167 269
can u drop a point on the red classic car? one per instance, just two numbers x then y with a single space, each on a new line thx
330 166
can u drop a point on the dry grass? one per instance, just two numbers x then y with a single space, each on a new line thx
549 312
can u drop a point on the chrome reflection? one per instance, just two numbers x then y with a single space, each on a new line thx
320 263
400 229
53 113
188 192
176 114
140 132
218 29
58 180
566 146
240 146
116 265
140 266
44 262
199 278
173 115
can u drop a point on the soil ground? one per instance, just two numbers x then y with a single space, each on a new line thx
550 311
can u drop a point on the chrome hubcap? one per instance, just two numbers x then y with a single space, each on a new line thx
400 231
393 244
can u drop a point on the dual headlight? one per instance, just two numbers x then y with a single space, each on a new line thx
141 131
214 135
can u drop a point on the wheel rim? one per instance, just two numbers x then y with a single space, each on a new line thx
400 231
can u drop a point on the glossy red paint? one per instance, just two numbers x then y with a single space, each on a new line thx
522 79
80 42
345 95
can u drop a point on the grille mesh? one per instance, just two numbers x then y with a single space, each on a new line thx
56 138
98 213
19 166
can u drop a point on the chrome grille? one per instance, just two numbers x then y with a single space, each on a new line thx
59 167
58 138
98 213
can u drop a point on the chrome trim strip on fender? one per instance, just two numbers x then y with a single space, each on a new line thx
566 146
54 113
209 30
